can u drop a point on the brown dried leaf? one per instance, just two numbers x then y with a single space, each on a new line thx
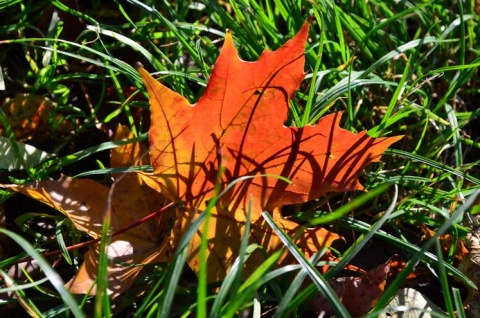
28 115
470 267
84 202
358 294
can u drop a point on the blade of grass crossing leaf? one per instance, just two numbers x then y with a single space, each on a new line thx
235 275
145 168
150 302
359 226
325 289
52 275
230 279
176 268
238 292
23 286
261 276
165 301
202 275
61 242
294 288
102 299
202 284
396 283
458 302
22 297
221 304
242 251
361 241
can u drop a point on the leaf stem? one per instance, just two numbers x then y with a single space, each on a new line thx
90 242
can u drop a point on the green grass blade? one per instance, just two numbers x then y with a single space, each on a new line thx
262 275
322 284
433 164
356 248
230 279
442 273
458 302
166 299
295 286
24 300
396 283
428 257
350 206
54 164
102 305
53 277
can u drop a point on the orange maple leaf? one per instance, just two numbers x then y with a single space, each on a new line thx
238 126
